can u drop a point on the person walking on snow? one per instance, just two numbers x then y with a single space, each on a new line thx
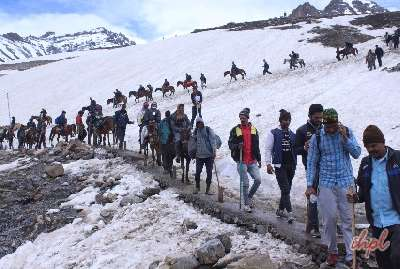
331 151
80 126
203 139
121 119
179 121
370 60
379 184
303 137
203 81
245 151
61 121
280 153
379 54
197 100
140 122
266 68
167 145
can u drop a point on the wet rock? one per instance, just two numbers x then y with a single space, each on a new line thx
185 262
226 242
257 261
148 192
129 200
189 224
105 198
154 265
54 170
210 252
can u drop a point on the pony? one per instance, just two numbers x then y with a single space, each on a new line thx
187 84
183 148
147 94
69 130
164 90
31 136
301 62
237 72
122 99
153 140
345 52
103 129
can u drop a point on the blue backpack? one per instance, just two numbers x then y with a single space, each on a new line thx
58 120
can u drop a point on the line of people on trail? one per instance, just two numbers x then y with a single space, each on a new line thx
392 41
326 147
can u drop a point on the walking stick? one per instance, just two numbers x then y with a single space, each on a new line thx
220 189
307 210
353 226
240 177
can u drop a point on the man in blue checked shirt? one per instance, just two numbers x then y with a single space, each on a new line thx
379 182
332 155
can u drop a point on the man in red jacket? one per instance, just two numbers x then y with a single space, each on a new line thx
80 127
245 151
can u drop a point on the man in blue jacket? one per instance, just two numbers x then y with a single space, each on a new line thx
121 120
166 141
379 182
332 151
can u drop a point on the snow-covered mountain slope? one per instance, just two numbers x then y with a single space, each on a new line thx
352 7
15 47
361 97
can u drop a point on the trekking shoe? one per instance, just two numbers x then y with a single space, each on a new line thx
332 260
315 233
247 209
252 203
208 191
290 218
280 213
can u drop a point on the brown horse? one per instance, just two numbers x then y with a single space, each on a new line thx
183 148
154 141
122 99
147 94
31 136
104 128
187 84
69 130
345 53
239 71
164 90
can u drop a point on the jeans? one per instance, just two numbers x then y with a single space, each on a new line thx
379 61
254 172
194 114
284 176
389 259
121 137
200 162
333 202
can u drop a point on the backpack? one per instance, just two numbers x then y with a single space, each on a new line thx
58 120
192 145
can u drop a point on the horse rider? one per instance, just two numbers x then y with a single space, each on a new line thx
41 126
140 119
179 121
79 125
348 46
31 124
188 77
266 68
12 125
293 59
197 100
151 115
94 109
203 81
121 119
141 89
117 94
166 84
61 122
150 87
234 68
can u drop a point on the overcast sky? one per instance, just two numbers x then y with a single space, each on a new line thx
140 19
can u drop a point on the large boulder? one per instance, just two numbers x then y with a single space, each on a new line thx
130 199
54 170
256 261
210 252
185 262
